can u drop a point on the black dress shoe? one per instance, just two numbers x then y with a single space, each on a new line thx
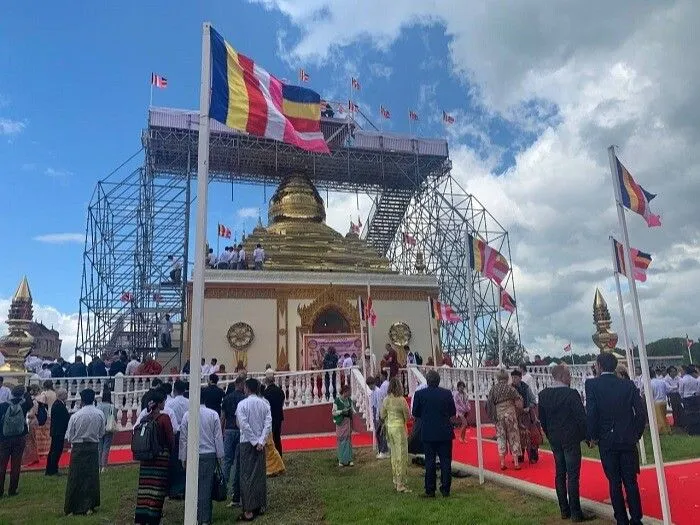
565 515
579 518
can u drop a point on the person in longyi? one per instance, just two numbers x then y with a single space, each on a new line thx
394 413
342 417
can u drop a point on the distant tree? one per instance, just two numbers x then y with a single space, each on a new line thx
578 359
513 352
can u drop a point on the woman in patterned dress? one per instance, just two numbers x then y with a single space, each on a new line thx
501 405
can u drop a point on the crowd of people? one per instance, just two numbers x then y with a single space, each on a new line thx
235 258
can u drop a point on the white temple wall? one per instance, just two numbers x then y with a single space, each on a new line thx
413 313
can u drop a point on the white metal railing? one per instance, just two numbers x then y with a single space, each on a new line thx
414 378
360 394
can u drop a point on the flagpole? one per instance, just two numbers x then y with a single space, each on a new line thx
572 354
651 413
197 321
430 326
369 321
150 101
362 337
628 350
472 340
499 334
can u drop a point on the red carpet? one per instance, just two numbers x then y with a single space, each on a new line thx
683 480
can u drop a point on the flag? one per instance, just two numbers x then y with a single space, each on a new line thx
567 348
443 312
412 115
367 311
224 231
246 97
385 112
359 222
640 261
688 341
507 302
448 119
352 107
408 239
354 228
634 197
126 297
355 84
157 297
303 76
158 81
486 260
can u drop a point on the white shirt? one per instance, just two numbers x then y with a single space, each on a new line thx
165 326
206 370
131 367
688 386
659 388
211 259
241 255
254 420
673 383
258 255
87 425
5 394
176 264
167 412
45 373
211 440
529 380
225 256
179 406
347 363
381 392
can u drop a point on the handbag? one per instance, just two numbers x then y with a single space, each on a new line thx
110 424
218 487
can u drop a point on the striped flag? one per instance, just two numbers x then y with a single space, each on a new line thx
224 231
408 239
567 348
126 297
246 97
487 260
688 341
303 76
158 81
447 118
640 261
385 112
634 197
355 83
507 302
367 311
352 107
443 312
354 228
412 115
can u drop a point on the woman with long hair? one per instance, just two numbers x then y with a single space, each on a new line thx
31 453
394 413
462 406
501 405
153 473
109 411
342 417
45 401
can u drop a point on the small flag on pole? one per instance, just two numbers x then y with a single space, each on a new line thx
487 260
447 118
354 228
367 311
634 197
126 297
443 312
412 115
408 239
385 112
567 348
303 76
224 231
688 341
158 81
352 107
640 261
359 222
507 302
355 84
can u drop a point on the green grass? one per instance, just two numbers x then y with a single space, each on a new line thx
674 447
313 491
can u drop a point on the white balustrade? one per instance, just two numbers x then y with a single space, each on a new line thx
415 378
360 394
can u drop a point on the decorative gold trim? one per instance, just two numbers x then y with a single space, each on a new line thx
240 328
400 333
237 291
331 297
282 339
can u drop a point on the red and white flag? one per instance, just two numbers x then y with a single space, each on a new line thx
355 83
443 312
567 348
367 311
354 228
126 297
352 107
688 341
412 115
303 76
224 231
158 81
385 112
408 239
507 302
447 118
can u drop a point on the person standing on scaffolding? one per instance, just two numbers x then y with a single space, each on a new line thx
166 331
175 269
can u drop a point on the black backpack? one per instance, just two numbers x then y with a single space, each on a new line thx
13 423
144 441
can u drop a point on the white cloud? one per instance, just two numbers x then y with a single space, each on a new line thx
11 127
61 238
57 173
65 323
248 213
381 70
623 78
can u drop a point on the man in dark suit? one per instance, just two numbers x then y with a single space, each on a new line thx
563 420
275 396
615 421
435 407
59 425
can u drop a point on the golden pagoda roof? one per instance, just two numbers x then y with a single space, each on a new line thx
297 237
23 291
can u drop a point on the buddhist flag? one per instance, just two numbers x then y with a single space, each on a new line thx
408 239
246 97
443 312
486 260
634 197
507 302
640 261
224 231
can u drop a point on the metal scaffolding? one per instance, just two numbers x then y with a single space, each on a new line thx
136 222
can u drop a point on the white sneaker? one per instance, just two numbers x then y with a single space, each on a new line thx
383 455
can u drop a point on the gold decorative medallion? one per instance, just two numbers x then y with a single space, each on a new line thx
240 335
400 334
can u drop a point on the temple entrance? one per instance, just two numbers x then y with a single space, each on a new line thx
331 321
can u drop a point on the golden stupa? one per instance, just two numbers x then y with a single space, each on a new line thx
18 343
297 237
604 338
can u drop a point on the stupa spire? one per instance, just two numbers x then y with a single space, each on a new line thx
23 291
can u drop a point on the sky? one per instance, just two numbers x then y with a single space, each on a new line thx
538 89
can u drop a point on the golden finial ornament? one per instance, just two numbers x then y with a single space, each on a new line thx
604 338
18 343
420 262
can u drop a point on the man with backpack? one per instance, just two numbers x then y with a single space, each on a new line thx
13 436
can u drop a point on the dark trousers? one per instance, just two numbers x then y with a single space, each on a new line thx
621 468
328 385
176 276
11 450
443 450
277 435
55 451
567 462
232 437
674 399
166 340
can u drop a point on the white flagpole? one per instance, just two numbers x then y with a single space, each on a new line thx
197 326
362 338
430 329
499 333
472 340
150 101
644 363
571 349
628 352
369 321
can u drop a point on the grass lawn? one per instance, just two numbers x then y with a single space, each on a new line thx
313 491
674 447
